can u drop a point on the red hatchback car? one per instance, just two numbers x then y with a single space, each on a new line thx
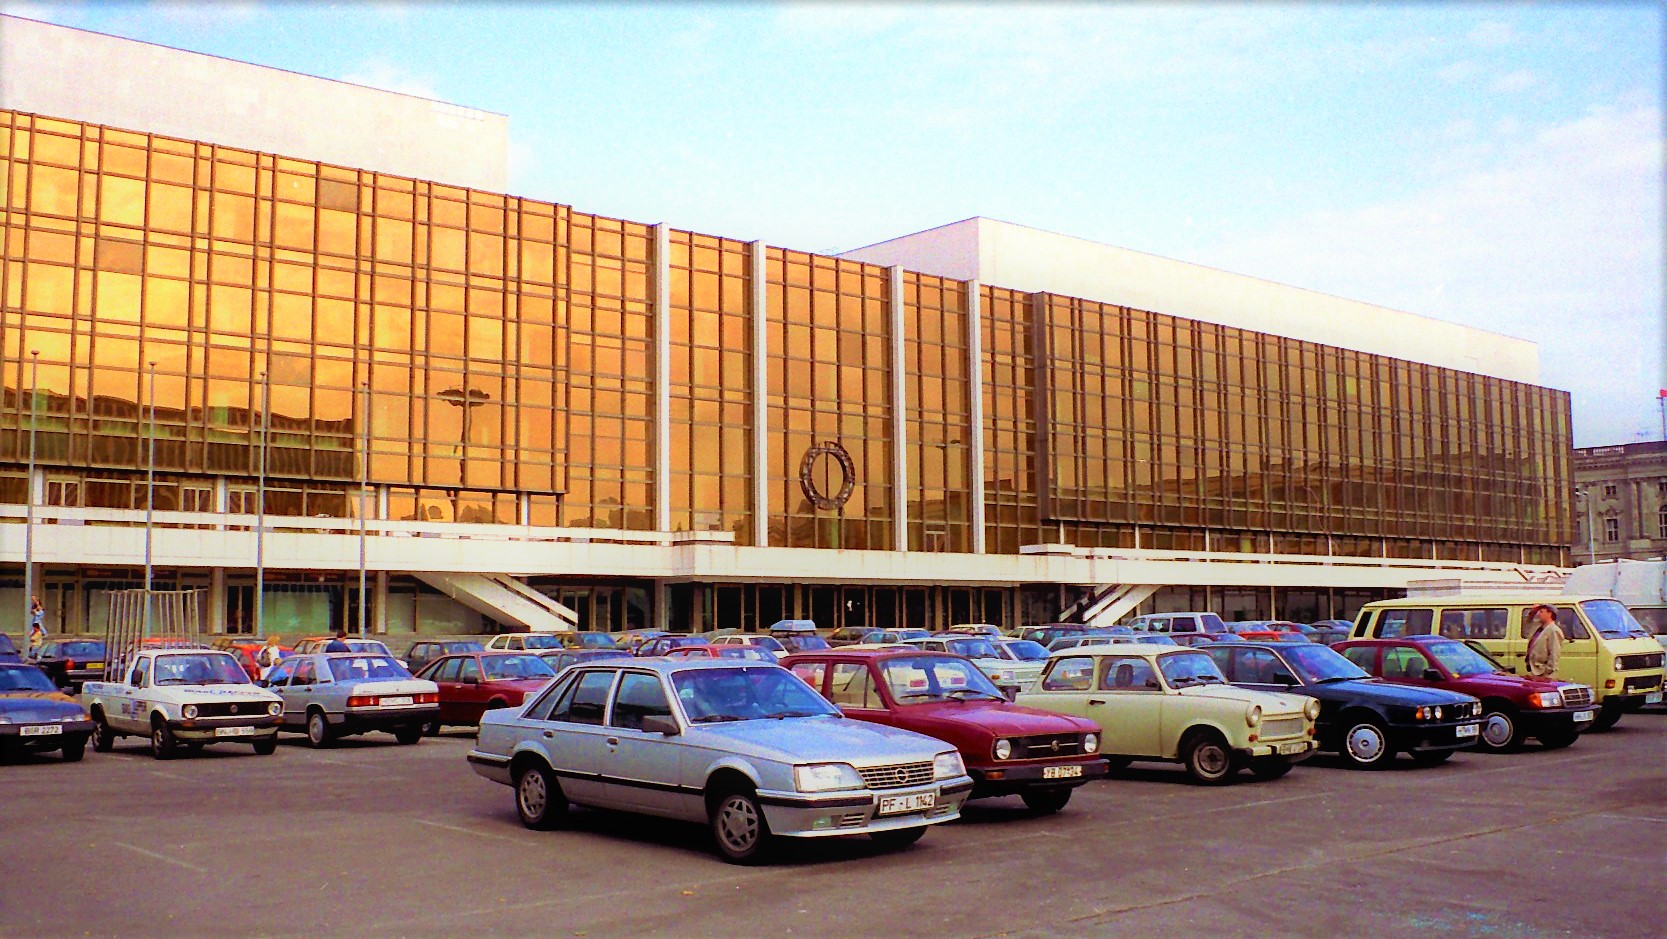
476 682
1009 750
1514 707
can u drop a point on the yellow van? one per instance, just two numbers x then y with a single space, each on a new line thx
1607 649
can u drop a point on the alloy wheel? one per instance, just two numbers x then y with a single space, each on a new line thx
738 824
533 795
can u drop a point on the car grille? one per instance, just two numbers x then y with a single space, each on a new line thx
1641 660
1577 696
1642 682
896 776
1046 745
232 709
853 820
1283 727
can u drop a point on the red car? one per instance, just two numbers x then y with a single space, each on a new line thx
1514 707
749 653
476 682
1009 750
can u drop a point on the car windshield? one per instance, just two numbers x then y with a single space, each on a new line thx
746 693
917 679
1189 668
199 668
767 642
1025 651
511 667
913 634
1460 659
1314 663
1612 620
597 641
805 643
973 648
367 667
461 646
6 644
751 653
541 642
370 646
24 678
82 650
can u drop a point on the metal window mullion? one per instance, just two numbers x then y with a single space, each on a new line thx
662 376
758 291
899 418
975 413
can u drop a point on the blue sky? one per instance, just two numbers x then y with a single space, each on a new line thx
1498 165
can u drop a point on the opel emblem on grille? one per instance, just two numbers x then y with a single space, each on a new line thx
1054 745
234 709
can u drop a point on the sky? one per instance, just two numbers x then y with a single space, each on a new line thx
1497 165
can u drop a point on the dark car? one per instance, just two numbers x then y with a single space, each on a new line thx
848 635
8 651
1048 632
70 662
1514 707
664 644
1328 632
589 640
422 653
559 659
34 715
476 682
1366 720
803 642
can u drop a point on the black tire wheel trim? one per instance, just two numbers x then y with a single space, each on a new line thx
103 739
161 741
73 752
1046 801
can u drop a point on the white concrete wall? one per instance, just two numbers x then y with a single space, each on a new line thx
62 72
1029 259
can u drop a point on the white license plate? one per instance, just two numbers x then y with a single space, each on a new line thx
1581 717
902 805
1653 697
1061 772
1292 749
41 730
234 731
395 702
1467 730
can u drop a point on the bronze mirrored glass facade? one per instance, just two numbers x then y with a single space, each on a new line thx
503 353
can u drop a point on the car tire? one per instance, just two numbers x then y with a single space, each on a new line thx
1608 716
1046 801
266 747
75 749
1430 757
1366 745
162 742
1500 733
896 839
412 733
431 729
1270 767
103 738
739 828
1117 763
1558 739
195 747
318 730
1208 760
539 801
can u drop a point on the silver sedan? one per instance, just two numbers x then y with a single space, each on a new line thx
749 749
333 695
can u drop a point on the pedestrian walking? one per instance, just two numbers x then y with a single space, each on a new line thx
1545 644
338 644
269 655
37 628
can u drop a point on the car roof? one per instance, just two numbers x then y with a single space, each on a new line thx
667 666
1490 599
1118 648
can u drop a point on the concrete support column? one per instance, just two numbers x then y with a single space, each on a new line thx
379 603
662 377
760 396
217 599
899 419
662 605
975 414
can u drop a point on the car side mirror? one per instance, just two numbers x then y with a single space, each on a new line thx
1431 674
1284 678
261 682
1152 683
657 724
471 679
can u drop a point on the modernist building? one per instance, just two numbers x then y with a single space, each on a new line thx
1620 502
549 413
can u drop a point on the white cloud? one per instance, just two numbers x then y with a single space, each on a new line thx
383 74
1556 238
200 15
1513 82
1492 34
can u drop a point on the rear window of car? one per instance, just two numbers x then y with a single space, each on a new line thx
82 650
367 667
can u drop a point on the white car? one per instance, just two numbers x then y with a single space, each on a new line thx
525 642
1009 674
187 697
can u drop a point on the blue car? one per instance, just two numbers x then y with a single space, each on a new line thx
35 716
8 651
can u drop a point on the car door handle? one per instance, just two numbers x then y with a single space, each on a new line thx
1096 701
549 735
613 741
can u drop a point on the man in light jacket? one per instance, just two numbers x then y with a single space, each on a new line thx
1545 643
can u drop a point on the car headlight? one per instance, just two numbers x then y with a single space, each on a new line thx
1311 710
274 708
1091 743
189 712
1618 665
948 766
4 719
1254 715
1428 713
823 777
1004 749
1546 699
70 718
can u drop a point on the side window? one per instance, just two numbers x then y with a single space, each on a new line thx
639 696
280 673
1364 656
1223 659
853 687
553 700
448 670
1399 662
1127 673
1158 625
1393 624
1566 618
590 698
470 668
1072 674
1255 666
305 673
1183 624
1474 624
811 673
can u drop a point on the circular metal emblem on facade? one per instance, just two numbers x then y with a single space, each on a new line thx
816 479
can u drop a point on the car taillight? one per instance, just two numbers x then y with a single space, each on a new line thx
430 698
69 664
361 701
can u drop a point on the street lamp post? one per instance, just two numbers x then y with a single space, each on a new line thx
29 493
260 508
364 484
150 498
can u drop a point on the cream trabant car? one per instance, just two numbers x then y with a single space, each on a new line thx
1171 703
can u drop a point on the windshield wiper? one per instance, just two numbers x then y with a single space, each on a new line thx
918 694
974 691
1330 678
786 714
716 718
170 681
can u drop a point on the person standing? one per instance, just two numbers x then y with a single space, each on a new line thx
338 644
1545 644
37 628
269 655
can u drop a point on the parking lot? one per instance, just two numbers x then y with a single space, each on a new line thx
373 839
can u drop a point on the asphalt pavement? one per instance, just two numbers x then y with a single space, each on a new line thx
369 839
